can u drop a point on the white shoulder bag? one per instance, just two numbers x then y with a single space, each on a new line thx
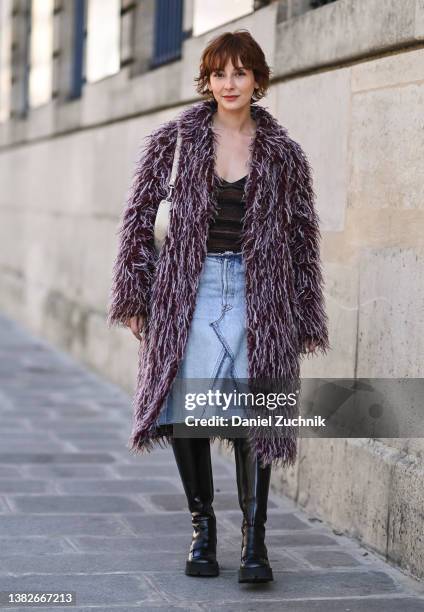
164 210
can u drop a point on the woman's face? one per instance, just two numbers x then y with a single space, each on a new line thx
237 82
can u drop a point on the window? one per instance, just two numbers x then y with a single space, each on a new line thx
77 53
103 38
5 58
168 31
318 3
41 52
209 14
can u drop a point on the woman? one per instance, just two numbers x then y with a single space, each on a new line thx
236 290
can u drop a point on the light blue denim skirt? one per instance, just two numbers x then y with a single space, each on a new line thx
216 349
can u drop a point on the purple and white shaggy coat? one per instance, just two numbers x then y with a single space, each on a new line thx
280 249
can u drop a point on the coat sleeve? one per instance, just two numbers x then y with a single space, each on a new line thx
134 265
305 236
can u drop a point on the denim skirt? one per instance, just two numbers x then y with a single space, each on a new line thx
216 349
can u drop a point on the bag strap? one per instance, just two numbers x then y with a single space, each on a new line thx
174 164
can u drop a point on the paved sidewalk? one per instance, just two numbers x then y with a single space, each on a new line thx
79 512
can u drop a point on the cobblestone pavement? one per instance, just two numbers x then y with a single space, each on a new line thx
79 512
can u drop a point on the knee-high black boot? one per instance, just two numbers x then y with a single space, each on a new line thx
193 459
253 487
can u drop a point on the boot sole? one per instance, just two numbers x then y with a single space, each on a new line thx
201 569
255 574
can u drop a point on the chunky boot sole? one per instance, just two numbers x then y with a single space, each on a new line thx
255 574
201 569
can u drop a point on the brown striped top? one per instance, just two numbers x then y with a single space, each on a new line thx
225 228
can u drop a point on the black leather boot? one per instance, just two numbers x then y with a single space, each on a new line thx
193 459
253 487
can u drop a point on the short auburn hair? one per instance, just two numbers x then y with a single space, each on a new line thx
236 45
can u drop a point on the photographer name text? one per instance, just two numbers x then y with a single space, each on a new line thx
271 420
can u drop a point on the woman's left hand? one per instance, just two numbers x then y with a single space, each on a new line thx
310 346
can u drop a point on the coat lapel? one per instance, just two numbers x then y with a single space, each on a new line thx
198 156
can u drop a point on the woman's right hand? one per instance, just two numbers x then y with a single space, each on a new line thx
136 324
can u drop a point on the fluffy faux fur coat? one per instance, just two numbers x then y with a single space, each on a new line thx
280 249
